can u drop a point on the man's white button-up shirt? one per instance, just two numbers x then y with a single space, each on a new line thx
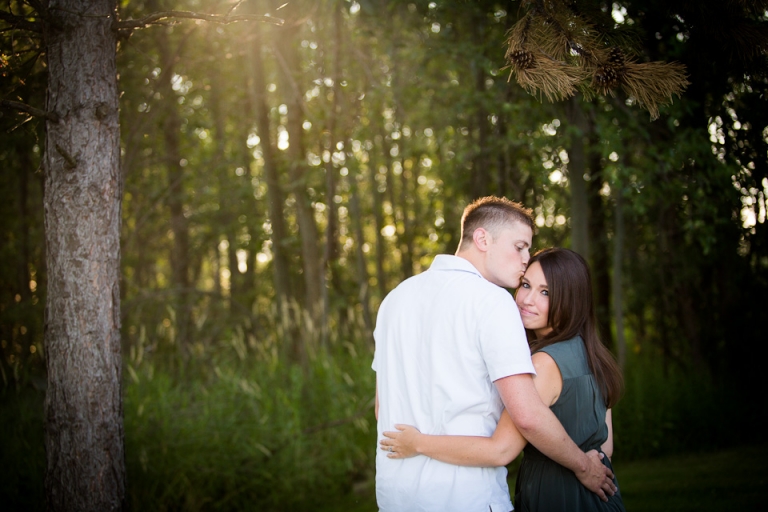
442 338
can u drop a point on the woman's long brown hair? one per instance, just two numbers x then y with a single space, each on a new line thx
572 313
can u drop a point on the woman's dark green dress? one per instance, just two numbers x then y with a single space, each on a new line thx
543 485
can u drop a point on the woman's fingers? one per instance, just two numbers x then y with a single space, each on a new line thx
389 446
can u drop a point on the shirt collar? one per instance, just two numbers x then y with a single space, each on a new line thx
450 262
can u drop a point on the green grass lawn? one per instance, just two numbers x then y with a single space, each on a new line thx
729 480
734 479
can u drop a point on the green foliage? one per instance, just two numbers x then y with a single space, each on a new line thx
235 429
238 429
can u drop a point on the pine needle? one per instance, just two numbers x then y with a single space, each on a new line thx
654 83
555 80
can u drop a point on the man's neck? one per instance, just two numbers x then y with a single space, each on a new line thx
475 258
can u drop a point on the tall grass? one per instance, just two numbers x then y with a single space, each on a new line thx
230 423
239 427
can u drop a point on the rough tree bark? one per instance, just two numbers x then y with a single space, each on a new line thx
83 188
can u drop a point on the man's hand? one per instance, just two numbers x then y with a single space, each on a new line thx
597 477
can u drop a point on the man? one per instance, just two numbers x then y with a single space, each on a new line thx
450 348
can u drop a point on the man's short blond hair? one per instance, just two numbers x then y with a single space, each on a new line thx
492 214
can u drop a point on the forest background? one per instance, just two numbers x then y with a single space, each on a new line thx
278 181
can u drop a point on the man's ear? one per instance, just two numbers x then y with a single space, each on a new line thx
482 239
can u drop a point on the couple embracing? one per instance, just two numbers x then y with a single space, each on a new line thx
458 394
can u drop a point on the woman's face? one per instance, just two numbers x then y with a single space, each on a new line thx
532 299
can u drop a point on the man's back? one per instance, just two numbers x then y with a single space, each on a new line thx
442 338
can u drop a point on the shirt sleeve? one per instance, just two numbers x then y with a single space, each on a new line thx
502 338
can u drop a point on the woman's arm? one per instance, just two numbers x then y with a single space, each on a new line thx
498 450
607 447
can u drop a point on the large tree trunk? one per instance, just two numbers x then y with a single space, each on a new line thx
83 188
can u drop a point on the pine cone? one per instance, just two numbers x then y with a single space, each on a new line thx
607 76
522 59
616 56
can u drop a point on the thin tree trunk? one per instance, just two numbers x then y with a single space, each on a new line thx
298 174
481 185
22 273
618 277
362 270
83 188
274 189
598 239
378 217
332 228
176 196
577 167
331 252
406 239
219 168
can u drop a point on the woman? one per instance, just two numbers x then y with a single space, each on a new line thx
576 376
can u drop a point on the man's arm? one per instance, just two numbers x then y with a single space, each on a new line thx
541 428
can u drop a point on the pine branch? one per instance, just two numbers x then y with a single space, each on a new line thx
27 109
159 17
654 83
556 51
